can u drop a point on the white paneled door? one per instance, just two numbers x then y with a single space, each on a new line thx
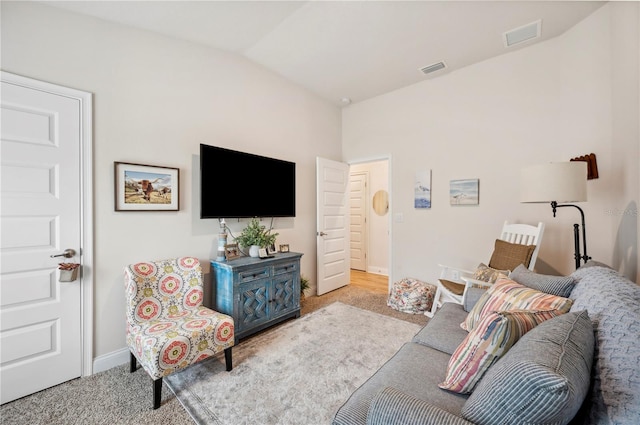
41 193
358 220
332 181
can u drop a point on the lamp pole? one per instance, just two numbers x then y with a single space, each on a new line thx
576 234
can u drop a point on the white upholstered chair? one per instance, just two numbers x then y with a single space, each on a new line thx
168 328
517 244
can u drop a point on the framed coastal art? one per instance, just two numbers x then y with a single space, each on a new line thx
422 190
141 187
464 192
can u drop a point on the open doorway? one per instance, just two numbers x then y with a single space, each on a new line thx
369 221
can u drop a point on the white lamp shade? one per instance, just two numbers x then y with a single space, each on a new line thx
557 181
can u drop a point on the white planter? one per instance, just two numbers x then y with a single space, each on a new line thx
254 251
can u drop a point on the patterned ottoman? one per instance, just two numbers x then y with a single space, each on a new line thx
411 296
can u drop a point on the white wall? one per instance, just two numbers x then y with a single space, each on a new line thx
155 100
625 138
549 102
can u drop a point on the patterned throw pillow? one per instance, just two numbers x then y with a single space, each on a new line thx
491 339
554 285
506 294
489 274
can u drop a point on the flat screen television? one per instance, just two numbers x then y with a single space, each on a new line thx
236 184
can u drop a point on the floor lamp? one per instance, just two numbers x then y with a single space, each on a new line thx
559 182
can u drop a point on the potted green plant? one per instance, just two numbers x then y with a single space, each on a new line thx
256 236
304 285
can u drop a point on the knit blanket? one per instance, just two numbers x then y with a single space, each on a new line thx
613 304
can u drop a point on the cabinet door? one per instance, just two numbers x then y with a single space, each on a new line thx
254 307
286 294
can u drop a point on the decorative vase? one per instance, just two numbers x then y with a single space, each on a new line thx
222 241
254 251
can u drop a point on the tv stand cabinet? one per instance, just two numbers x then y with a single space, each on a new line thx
257 293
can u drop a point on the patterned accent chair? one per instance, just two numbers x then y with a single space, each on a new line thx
168 329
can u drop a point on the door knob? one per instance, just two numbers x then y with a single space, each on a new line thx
322 234
68 253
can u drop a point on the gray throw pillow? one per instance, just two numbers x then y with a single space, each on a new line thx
543 378
554 285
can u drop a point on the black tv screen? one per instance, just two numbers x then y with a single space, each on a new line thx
238 185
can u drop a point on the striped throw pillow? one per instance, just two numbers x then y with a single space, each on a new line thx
506 294
543 379
486 343
554 285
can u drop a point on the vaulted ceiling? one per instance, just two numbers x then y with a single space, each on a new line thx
347 49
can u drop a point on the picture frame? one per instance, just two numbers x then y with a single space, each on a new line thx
140 187
284 247
464 192
231 251
422 190
271 249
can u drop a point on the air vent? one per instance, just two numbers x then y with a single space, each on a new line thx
522 34
433 68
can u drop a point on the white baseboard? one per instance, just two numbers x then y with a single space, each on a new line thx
378 270
108 361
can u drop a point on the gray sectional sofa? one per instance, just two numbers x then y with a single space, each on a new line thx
582 367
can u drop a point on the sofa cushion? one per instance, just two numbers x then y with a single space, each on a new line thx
486 343
543 379
554 285
508 256
443 331
415 369
472 296
506 294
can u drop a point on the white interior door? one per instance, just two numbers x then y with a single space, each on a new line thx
358 220
332 180
41 193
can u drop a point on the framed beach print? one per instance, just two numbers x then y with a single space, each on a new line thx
464 192
422 190
141 187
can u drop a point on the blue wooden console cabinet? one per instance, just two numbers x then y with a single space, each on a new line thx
257 293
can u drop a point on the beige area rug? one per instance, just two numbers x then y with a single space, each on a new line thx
298 373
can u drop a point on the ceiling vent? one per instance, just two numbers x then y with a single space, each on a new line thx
433 68
522 34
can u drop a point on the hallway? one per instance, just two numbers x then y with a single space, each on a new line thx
370 281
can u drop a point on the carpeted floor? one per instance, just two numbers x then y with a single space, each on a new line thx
305 368
116 396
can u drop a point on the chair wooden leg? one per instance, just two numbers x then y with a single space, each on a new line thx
157 392
227 358
133 365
